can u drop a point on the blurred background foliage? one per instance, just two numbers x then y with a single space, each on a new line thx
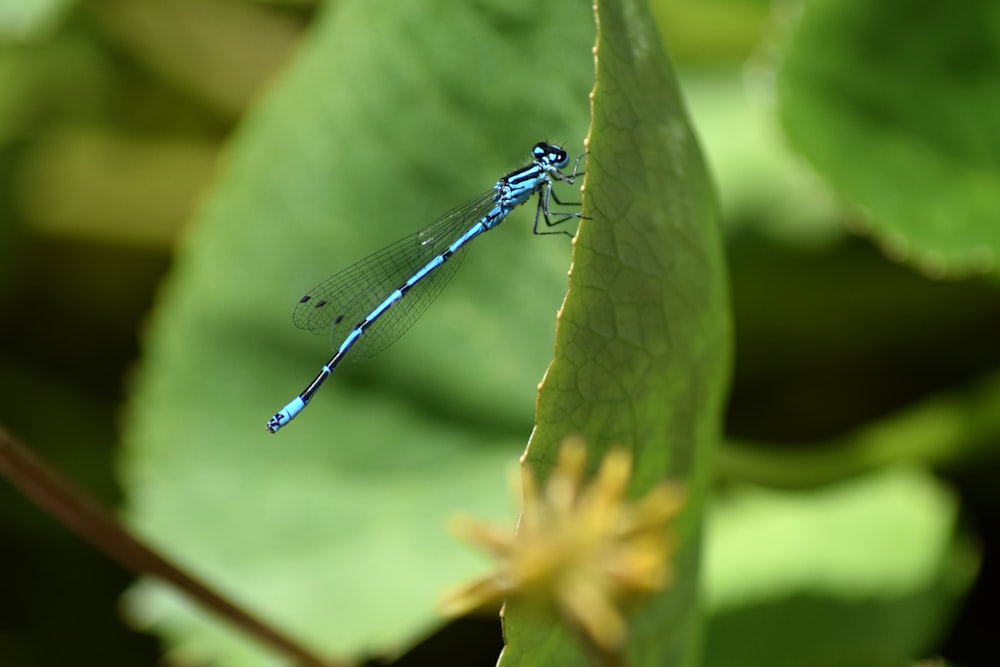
855 147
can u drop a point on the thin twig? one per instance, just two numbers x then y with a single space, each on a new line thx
97 525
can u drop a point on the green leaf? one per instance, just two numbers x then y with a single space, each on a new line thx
896 105
643 344
864 572
29 19
335 529
948 431
764 187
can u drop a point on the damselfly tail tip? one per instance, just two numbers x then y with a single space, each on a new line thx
285 415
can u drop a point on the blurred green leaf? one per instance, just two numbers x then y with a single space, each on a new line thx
229 47
957 430
764 187
107 187
642 354
66 79
27 19
715 31
865 572
895 103
335 528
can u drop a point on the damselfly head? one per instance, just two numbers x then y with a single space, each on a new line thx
553 155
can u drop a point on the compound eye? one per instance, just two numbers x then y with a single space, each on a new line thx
558 157
540 150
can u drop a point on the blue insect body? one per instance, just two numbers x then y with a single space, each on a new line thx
369 305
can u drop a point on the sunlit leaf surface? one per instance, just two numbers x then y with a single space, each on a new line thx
335 528
895 104
642 350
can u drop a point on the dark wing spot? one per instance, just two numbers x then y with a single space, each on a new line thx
320 304
340 318
305 298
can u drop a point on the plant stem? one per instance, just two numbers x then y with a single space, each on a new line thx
86 517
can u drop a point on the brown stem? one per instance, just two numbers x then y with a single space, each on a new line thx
98 526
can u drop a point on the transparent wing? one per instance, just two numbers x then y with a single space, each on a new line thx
339 303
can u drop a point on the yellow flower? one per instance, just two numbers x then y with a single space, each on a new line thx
581 550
